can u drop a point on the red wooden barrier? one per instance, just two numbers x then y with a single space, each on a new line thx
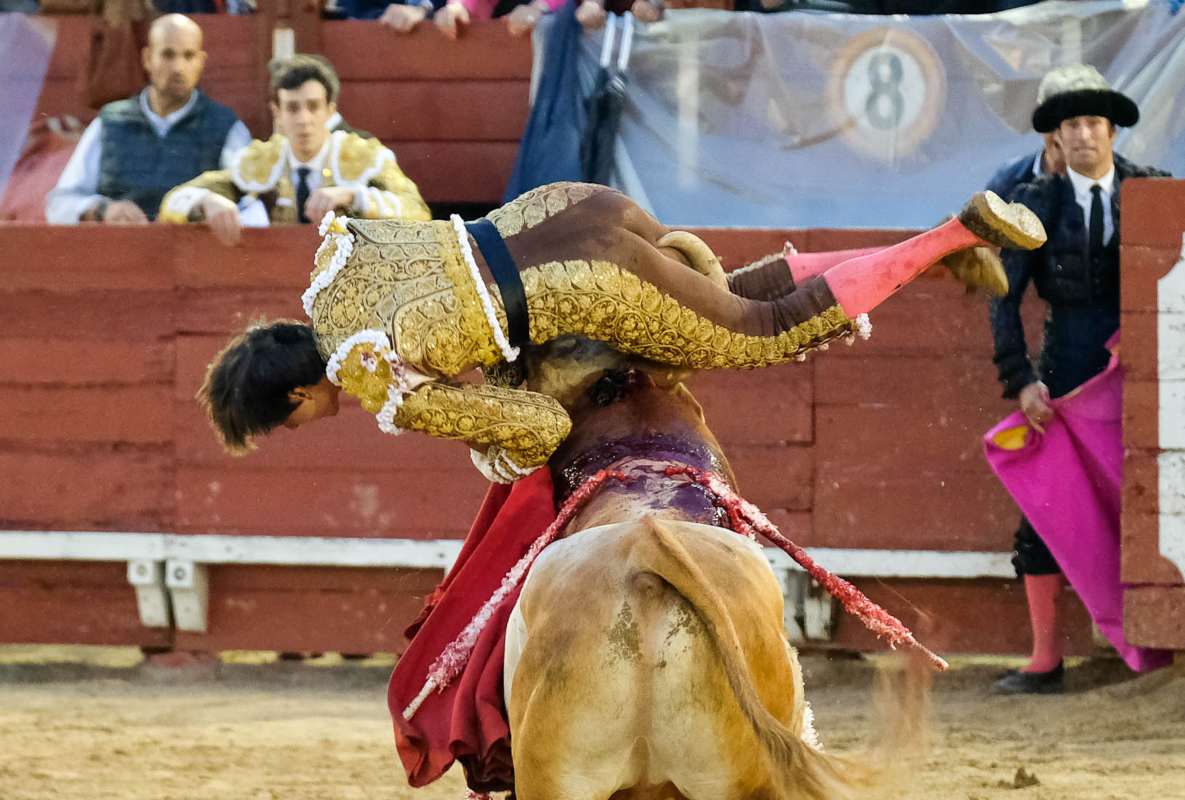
1153 222
107 332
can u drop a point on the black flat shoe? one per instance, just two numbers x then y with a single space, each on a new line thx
1051 682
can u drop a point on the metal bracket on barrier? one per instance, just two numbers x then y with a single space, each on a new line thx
152 602
189 588
808 611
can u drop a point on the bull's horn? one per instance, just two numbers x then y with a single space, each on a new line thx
702 259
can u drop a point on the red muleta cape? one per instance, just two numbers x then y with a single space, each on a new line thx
467 721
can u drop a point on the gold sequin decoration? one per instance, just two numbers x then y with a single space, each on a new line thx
602 301
258 162
528 425
359 380
533 207
408 279
356 156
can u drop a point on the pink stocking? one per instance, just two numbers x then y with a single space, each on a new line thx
1042 592
861 284
808 265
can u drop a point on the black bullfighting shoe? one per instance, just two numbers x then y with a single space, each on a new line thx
1051 682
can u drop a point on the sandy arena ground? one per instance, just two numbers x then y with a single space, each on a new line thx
257 731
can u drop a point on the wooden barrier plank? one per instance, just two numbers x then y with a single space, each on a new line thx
913 508
1152 616
1153 215
455 172
100 315
63 268
352 440
130 489
1141 420
71 45
65 362
53 574
1140 530
1143 266
1139 358
221 312
953 617
363 50
873 412
265 258
401 110
407 503
758 407
774 476
75 616
140 414
349 622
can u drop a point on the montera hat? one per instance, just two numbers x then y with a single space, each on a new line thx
1080 90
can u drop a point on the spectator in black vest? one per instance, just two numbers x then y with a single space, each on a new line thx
139 148
1077 273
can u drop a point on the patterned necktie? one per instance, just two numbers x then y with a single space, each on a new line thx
1096 219
302 192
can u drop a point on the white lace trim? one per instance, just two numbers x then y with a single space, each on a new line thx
334 230
863 326
386 415
508 465
508 352
254 187
395 392
364 178
372 337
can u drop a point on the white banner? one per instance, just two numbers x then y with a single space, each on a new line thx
831 120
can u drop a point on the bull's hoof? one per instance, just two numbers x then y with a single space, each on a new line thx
1002 224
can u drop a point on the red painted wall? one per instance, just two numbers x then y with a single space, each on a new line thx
107 333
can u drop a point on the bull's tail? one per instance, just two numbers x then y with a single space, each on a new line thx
800 771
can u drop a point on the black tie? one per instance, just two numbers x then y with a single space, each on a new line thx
1096 220
302 193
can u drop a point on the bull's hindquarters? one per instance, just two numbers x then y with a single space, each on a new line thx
647 656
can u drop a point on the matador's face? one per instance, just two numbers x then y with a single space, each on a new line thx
313 403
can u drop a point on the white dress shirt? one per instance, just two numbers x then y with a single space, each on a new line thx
1083 196
77 190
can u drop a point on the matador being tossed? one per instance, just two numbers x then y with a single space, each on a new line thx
402 309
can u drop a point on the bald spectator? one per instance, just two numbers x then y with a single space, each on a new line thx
139 148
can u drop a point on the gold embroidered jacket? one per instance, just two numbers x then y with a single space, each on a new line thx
397 307
262 170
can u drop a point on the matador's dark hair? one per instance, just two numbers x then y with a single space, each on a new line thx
245 392
294 72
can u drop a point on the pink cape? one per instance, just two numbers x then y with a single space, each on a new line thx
1068 482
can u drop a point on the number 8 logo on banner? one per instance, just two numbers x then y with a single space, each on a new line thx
887 89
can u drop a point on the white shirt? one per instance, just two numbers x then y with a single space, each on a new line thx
1083 196
77 190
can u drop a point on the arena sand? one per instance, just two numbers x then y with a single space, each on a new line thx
90 723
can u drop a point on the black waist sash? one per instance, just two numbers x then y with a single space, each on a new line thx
510 285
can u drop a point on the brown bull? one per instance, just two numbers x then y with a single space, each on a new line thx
646 657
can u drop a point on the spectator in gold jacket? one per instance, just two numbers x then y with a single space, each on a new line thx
301 172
